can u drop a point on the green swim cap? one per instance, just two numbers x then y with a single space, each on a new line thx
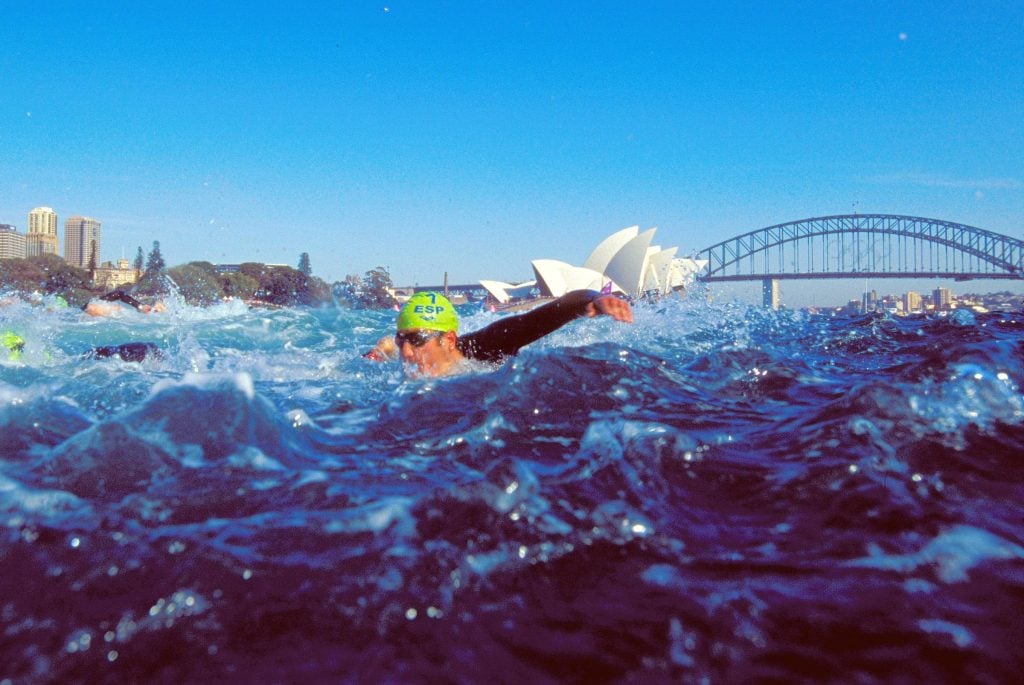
428 311
13 342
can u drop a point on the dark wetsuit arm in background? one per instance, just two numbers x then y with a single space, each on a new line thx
118 296
505 337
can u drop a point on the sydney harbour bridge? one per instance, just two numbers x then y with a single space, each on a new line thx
862 246
849 246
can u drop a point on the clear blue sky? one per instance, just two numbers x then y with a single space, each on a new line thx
474 137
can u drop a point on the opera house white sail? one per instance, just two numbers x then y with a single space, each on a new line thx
606 249
506 292
624 262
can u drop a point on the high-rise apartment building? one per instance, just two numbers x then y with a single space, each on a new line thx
82 241
42 232
12 243
942 298
869 301
911 302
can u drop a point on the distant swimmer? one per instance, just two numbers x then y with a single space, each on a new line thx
13 343
129 352
109 304
427 330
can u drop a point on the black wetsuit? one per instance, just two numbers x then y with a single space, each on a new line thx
117 296
505 337
129 352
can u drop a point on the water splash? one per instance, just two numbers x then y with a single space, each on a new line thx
715 492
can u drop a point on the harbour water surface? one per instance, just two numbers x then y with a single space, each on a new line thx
716 493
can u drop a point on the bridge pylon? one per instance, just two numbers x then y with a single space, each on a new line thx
770 292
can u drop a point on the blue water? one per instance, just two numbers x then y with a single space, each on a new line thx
716 493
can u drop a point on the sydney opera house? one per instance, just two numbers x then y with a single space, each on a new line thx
624 262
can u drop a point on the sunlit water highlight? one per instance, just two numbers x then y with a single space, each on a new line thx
715 492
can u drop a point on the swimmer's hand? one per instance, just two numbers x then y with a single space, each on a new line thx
612 306
384 350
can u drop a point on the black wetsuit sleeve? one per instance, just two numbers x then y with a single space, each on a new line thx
118 296
505 337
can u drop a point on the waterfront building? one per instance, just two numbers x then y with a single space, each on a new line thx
942 299
869 301
110 276
12 243
912 302
41 238
81 241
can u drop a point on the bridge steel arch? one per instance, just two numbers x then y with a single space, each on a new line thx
862 246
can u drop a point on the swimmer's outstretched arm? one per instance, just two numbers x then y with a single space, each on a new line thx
505 337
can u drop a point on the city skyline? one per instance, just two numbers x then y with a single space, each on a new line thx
43 220
433 138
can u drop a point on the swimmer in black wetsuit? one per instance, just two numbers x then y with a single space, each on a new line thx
102 309
427 336
129 352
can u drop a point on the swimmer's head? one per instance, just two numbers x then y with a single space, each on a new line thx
429 312
14 344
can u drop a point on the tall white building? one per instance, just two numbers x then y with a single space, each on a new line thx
42 232
81 241
12 243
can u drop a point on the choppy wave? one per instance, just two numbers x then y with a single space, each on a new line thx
715 493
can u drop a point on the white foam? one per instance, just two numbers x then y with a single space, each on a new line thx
952 553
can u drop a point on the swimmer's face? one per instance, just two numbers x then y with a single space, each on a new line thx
432 353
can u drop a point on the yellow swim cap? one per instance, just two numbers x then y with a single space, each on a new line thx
428 311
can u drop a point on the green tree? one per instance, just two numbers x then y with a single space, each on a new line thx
252 269
48 274
152 280
197 282
287 286
375 292
155 264
139 262
239 285
347 292
304 266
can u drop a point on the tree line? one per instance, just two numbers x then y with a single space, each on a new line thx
199 283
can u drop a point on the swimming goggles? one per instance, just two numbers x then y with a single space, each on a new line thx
415 338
